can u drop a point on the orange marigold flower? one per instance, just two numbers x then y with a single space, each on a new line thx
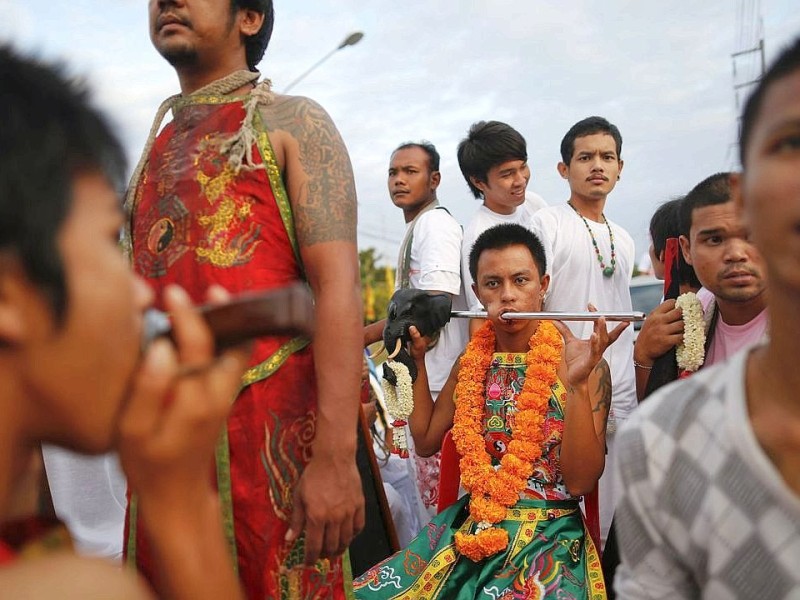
485 543
525 451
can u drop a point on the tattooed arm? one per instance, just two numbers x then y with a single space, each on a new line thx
600 398
588 380
329 505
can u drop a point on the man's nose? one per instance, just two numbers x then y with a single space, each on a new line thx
736 249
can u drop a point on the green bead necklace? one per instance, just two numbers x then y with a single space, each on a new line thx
608 271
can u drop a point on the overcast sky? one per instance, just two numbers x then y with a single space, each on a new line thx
661 71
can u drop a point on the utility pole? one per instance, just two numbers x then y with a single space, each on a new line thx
748 62
737 86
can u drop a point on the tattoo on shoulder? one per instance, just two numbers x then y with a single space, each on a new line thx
324 202
603 390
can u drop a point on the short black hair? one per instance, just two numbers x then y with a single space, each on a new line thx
788 61
49 134
665 224
488 143
505 235
715 189
589 126
430 150
256 45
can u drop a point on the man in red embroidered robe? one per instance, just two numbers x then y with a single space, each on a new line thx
254 190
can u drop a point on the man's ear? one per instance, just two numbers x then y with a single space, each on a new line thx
250 21
563 170
478 184
14 297
685 249
544 282
436 179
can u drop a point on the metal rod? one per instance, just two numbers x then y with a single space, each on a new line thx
555 316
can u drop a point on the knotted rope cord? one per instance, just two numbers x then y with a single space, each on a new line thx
237 145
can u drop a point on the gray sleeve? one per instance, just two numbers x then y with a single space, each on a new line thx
649 567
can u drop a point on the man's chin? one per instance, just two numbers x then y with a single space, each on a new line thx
739 294
179 56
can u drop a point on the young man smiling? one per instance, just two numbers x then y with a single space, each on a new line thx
494 161
591 260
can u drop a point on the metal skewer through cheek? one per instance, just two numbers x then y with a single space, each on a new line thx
554 316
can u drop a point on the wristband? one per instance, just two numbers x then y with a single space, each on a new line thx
639 365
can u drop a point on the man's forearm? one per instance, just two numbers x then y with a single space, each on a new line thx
373 332
338 355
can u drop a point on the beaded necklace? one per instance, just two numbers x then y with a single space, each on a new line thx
608 271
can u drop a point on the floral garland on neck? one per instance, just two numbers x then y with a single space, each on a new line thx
494 491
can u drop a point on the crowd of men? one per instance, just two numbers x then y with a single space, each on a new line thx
248 190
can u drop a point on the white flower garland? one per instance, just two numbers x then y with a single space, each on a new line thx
399 402
691 352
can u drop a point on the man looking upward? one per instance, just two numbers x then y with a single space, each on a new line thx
254 190
72 366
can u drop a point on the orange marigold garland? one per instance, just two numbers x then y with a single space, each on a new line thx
494 491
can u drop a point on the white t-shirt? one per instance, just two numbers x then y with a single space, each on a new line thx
483 219
435 265
575 280
89 497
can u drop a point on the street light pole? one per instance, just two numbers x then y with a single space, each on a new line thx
350 40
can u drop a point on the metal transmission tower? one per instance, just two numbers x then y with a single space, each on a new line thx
748 60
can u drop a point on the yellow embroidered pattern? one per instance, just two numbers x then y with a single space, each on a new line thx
231 238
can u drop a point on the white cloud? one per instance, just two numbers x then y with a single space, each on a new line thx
660 71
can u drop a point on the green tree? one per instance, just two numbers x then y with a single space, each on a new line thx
377 285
